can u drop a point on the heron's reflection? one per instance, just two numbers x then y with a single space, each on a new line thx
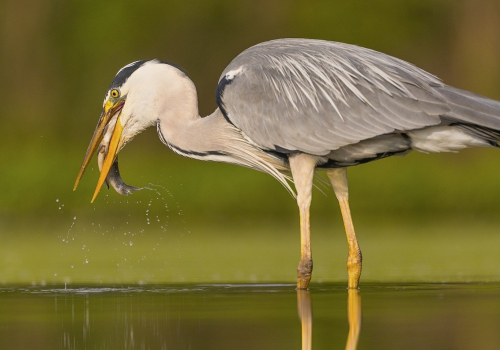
304 308
354 318
305 314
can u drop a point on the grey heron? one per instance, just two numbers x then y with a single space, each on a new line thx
292 106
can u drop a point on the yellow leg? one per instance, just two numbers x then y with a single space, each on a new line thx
302 166
354 318
338 178
305 314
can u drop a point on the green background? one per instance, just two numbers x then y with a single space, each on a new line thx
423 217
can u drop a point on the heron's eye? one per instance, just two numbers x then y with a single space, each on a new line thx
115 93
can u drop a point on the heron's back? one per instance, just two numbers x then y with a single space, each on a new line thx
313 96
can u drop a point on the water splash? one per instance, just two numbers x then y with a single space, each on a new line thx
123 238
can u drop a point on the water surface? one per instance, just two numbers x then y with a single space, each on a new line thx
254 316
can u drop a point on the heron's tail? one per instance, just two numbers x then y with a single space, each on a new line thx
475 114
489 135
471 108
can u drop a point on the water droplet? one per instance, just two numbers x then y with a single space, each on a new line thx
57 200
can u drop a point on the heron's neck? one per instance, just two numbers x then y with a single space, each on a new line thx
179 124
192 136
212 138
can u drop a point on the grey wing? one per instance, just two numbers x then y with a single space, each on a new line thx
316 96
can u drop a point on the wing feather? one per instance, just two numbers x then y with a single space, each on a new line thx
317 96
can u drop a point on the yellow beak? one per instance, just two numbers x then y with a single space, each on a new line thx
108 112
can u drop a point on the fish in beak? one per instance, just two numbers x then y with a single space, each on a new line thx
107 139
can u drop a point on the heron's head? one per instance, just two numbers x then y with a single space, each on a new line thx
138 96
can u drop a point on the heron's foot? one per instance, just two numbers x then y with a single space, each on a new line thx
354 262
304 271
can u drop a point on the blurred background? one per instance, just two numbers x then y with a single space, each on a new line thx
420 217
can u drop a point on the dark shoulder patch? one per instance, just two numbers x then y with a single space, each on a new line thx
124 73
219 93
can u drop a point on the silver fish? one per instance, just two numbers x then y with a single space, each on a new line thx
114 179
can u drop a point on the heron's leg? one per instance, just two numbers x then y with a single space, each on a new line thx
302 166
338 178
